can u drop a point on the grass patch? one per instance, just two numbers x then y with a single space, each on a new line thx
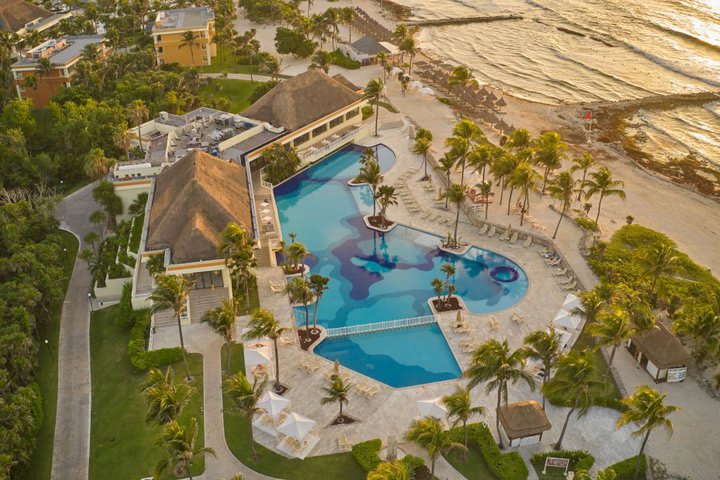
40 464
236 92
122 445
472 466
238 439
226 62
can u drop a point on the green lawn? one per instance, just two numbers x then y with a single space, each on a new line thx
41 462
236 92
473 467
122 445
237 435
225 62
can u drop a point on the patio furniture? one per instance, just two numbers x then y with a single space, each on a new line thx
470 348
344 444
493 323
288 339
462 330
560 272
277 287
514 237
517 318
484 229
309 366
492 231
570 286
528 241
469 341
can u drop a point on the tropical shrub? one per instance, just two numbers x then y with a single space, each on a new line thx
136 233
505 466
626 468
140 357
367 454
367 112
587 224
281 162
293 41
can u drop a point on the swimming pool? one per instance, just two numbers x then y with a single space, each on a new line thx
375 278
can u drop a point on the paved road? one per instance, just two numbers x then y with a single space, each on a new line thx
72 426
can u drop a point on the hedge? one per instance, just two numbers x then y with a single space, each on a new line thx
367 112
505 466
367 454
136 233
579 459
140 357
625 469
126 315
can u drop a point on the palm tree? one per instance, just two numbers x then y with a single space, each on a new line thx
543 346
422 147
562 188
318 287
96 164
88 257
299 291
661 260
525 179
480 158
485 189
502 167
396 470
459 406
237 245
647 410
138 113
337 391
373 92
99 218
465 135
583 163
222 320
611 328
263 324
601 182
92 238
45 66
155 265
438 287
246 397
386 196
592 305
445 165
574 380
460 76
346 16
164 398
172 293
495 365
189 40
456 195
549 152
370 174
383 61
296 254
449 270
408 46
429 434
121 139
321 59
181 448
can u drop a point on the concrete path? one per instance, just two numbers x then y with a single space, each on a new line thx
71 450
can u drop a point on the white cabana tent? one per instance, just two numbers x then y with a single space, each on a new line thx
571 302
566 320
273 404
259 355
564 338
297 426
432 408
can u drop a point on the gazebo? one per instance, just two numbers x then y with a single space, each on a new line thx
523 423
661 354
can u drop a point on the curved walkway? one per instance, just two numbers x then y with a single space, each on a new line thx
71 450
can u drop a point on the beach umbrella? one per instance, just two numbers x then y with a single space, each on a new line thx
571 302
501 125
511 128
432 408
492 96
436 62
257 356
501 103
483 92
566 319
297 426
492 118
273 404
459 317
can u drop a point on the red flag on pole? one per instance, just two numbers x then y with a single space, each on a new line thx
588 115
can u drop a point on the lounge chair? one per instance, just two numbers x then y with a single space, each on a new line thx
484 229
505 235
469 348
493 323
288 339
565 281
528 241
463 330
469 341
570 286
514 237
517 318
554 263
492 231
277 287
344 444
310 366
560 272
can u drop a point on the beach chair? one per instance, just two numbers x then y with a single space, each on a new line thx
469 341
484 229
554 263
570 286
565 281
277 287
470 348
528 241
514 237
560 272
370 391
494 325
492 231
344 444
517 318
463 330
288 339
505 235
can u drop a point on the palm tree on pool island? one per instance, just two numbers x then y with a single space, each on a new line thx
181 448
430 435
385 197
449 270
459 407
246 396
574 381
647 410
264 324
602 183
171 293
370 174
338 392
495 365
318 287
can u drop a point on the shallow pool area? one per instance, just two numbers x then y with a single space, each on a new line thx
376 278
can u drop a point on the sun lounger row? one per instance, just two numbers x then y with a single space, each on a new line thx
309 366
367 390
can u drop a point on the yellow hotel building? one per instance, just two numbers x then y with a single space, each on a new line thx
172 40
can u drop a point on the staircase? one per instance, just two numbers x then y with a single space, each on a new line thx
165 318
205 299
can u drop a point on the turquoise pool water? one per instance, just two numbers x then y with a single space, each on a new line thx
375 278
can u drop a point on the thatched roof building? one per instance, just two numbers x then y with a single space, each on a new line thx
301 100
193 201
15 14
659 351
523 419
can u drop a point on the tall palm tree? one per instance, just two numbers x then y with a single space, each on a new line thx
263 324
445 165
591 305
370 174
99 218
702 324
396 470
347 15
386 197
602 183
583 162
480 158
495 365
88 257
485 189
575 381
647 410
525 179
562 188
222 320
321 59
245 397
96 164
237 246
660 260
543 346
456 195
611 328
181 448
138 113
465 135
459 406
549 152
409 46
92 238
430 435
45 66
338 392
30 81
164 398
373 93
299 291
121 139
449 270
422 147
189 40
383 61
172 292
318 287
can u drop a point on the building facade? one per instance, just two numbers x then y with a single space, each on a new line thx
185 36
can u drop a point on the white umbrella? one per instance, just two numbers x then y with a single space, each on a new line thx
257 356
396 70
297 426
432 408
571 302
273 404
415 85
566 319
426 91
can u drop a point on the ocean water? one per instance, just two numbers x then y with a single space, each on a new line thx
569 51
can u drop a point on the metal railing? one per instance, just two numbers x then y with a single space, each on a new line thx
333 144
380 326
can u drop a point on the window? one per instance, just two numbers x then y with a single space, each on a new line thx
160 49
352 113
336 121
158 38
320 130
301 139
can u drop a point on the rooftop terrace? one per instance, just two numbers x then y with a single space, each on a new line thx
183 18
59 51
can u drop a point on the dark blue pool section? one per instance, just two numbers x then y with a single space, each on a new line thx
504 274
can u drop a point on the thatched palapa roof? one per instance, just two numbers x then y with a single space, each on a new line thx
15 14
301 100
194 200
523 419
343 79
662 347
